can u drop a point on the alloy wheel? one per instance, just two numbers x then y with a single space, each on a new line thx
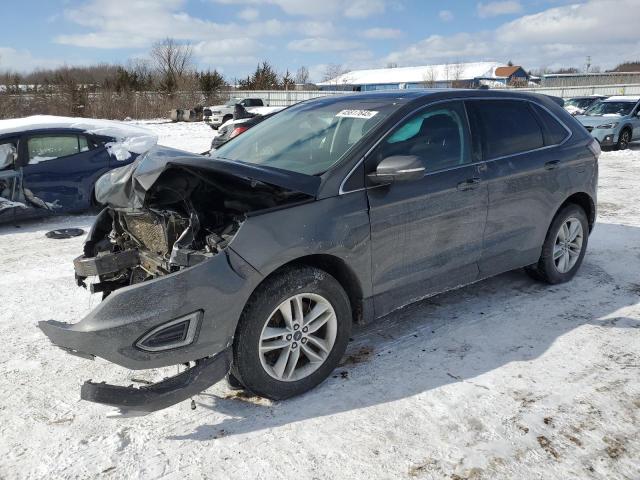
298 337
624 139
568 245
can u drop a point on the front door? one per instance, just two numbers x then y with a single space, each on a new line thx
426 235
60 169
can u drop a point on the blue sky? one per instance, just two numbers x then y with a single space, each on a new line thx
233 35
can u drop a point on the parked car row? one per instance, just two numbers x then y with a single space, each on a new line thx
578 105
613 121
333 211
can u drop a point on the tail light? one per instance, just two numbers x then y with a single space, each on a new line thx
237 131
594 146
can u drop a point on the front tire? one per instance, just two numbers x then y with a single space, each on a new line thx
623 139
292 333
564 247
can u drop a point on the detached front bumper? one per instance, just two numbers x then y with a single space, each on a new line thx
140 401
194 312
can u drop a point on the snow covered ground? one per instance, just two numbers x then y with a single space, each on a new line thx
506 378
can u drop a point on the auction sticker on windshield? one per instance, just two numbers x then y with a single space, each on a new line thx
356 113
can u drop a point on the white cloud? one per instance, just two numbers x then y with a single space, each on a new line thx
249 14
110 26
436 48
227 51
324 8
314 28
321 44
494 9
381 33
560 36
364 8
23 61
445 15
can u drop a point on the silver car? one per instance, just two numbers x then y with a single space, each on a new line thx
614 122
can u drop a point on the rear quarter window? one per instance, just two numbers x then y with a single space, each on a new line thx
553 131
506 127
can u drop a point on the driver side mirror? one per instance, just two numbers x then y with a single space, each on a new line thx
398 168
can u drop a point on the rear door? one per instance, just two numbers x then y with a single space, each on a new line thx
60 168
426 235
523 172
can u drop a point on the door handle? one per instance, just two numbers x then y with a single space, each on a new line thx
552 164
469 184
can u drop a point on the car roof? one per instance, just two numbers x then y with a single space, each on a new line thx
587 96
417 97
43 131
622 98
439 93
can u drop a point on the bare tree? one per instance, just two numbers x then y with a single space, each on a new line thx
302 75
429 78
333 72
172 61
457 72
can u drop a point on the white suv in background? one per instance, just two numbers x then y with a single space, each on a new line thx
219 114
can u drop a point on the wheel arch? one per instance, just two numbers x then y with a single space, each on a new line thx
337 268
586 202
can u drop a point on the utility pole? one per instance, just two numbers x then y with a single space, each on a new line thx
588 63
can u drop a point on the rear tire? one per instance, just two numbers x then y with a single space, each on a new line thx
272 357
564 247
623 139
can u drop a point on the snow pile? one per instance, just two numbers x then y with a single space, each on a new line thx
129 139
264 110
6 204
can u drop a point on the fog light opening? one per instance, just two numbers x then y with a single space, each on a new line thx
174 334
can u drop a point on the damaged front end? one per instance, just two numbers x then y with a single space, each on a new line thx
161 255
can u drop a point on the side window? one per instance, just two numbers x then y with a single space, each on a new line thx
506 127
554 133
8 153
83 144
45 148
438 135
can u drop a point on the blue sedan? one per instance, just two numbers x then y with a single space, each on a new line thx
45 171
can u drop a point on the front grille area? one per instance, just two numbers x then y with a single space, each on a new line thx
156 232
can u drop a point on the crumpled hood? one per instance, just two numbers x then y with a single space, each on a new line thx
126 187
595 120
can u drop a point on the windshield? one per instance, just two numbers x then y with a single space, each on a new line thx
309 137
611 108
580 102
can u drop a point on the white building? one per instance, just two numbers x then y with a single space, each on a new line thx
435 76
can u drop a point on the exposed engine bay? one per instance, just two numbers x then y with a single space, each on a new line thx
189 215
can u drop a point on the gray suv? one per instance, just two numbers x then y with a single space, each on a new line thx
255 263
